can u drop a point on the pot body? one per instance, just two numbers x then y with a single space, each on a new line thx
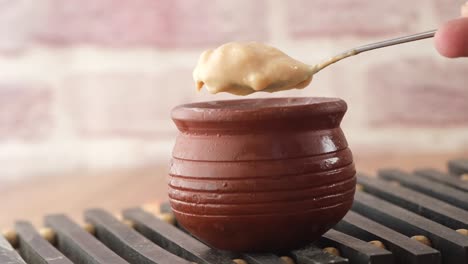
261 174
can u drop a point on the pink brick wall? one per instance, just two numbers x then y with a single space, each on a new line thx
90 83
338 19
25 111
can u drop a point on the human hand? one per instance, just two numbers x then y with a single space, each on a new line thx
451 40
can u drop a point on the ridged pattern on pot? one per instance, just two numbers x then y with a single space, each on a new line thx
208 195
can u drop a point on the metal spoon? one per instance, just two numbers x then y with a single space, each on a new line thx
372 46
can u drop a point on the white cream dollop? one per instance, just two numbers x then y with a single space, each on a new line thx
245 68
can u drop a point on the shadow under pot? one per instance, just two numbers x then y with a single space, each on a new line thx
261 174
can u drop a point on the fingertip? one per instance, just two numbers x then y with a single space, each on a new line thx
451 40
442 45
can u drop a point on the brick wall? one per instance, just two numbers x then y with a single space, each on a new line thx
89 84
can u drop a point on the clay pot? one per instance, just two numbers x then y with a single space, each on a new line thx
261 174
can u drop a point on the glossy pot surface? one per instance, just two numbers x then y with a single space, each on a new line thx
261 174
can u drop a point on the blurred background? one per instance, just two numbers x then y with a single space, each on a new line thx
86 88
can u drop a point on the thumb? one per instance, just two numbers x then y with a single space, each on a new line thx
451 40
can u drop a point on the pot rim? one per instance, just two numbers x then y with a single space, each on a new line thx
258 109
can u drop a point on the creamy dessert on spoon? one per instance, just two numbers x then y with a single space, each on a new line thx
245 68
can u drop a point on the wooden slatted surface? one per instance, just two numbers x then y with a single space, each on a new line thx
404 249
315 255
424 207
356 250
262 259
173 239
8 253
128 243
453 246
458 166
437 176
422 204
35 249
434 189
78 245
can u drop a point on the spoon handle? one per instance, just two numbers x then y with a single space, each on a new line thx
372 46
395 41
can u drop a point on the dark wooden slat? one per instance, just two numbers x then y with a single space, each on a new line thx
128 243
78 245
35 249
453 246
175 240
314 255
443 178
165 208
356 250
262 259
458 166
404 249
416 202
437 190
8 254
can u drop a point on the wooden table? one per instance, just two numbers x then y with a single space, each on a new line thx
114 190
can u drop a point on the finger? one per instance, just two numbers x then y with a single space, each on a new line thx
451 39
464 10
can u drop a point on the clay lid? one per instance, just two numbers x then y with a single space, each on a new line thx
260 114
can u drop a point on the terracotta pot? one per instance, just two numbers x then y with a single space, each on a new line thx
261 174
